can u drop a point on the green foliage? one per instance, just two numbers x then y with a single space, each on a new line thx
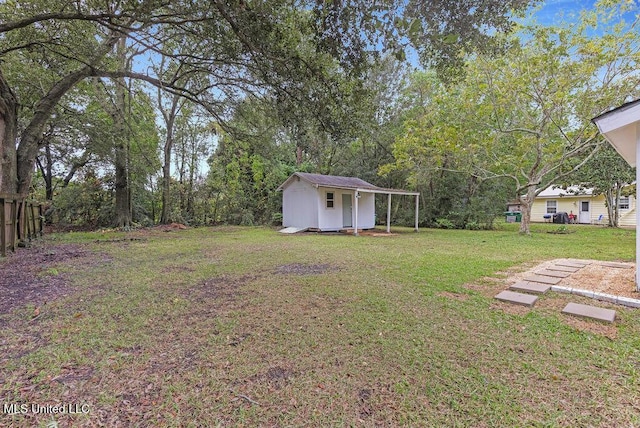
445 223
86 204
523 116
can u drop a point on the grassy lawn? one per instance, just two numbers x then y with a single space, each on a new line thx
246 327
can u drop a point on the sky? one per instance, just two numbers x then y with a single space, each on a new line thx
557 11
553 11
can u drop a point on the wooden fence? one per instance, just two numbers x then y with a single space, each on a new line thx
21 220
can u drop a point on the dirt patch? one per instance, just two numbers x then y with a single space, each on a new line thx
455 296
302 269
32 275
511 309
604 279
606 330
219 288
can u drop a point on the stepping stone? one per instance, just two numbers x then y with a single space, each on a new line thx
572 264
586 311
543 279
616 265
530 287
563 268
517 298
554 274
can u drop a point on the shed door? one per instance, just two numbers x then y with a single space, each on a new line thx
346 211
585 212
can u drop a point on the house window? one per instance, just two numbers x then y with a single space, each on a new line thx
552 207
623 203
330 199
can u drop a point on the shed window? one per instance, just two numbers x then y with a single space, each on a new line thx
330 199
623 203
552 207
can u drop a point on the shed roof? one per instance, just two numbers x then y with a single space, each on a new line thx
340 182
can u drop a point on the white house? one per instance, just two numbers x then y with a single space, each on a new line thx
332 203
587 207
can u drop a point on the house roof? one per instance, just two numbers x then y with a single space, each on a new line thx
339 182
619 128
559 192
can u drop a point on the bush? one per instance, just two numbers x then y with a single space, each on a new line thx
445 223
276 219
472 225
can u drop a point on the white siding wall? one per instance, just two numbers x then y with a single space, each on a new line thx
299 205
367 211
330 219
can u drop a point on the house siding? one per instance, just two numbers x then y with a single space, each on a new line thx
572 204
331 219
299 202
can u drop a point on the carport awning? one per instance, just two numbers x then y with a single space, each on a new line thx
379 190
383 191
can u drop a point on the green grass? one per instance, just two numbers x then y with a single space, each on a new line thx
193 328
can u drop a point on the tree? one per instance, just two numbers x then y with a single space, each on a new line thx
245 47
526 115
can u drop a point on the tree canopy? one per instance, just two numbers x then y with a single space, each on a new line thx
525 115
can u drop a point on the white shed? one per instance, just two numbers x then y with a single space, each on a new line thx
333 203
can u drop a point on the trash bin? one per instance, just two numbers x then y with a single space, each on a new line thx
512 216
518 216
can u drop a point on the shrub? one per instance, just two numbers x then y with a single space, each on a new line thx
445 223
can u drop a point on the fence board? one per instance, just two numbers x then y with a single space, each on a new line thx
20 220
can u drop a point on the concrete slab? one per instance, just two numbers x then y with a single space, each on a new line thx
572 264
530 287
554 274
290 230
606 297
585 293
542 279
592 312
517 298
563 268
627 301
617 265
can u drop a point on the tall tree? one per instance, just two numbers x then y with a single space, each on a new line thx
265 45
526 115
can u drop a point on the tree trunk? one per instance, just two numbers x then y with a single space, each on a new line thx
526 202
123 208
610 200
8 137
169 118
617 205
47 172
166 176
17 164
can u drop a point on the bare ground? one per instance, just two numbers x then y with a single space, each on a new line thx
33 276
603 277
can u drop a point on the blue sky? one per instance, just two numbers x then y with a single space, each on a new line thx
557 11
554 11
